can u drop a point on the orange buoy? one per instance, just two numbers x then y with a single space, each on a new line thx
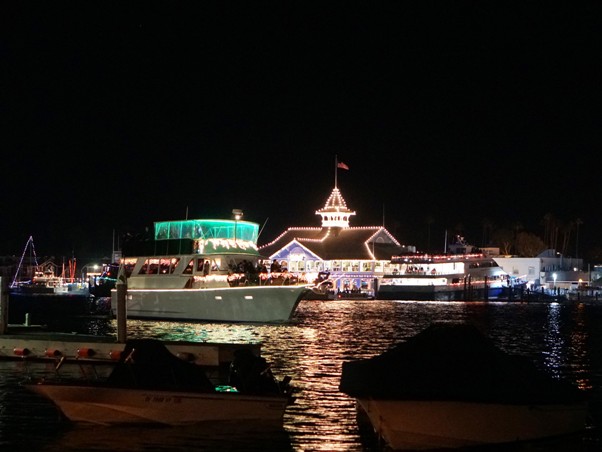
53 353
21 351
85 352
115 355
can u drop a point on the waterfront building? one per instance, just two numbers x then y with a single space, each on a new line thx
352 257
550 270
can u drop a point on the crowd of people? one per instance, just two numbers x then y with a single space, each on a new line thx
247 273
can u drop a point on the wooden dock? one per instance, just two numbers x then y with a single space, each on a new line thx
26 342
41 346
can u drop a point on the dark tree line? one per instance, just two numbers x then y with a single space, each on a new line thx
514 239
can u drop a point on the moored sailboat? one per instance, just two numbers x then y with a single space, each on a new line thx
40 293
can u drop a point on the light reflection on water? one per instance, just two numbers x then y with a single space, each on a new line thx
564 339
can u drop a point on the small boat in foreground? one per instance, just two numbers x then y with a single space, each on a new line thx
207 270
150 385
451 387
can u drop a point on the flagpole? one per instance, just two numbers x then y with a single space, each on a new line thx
336 166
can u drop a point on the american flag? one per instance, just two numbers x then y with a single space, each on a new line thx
342 166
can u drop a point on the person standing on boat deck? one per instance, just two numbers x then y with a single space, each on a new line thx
275 267
206 268
261 268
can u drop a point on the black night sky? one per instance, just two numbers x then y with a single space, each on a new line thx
115 115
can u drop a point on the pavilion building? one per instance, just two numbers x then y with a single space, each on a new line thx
353 257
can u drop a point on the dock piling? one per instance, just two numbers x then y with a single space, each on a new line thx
121 314
3 306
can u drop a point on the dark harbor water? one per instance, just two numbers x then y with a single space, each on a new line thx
564 339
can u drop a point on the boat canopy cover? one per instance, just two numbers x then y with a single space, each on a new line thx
148 364
207 229
209 237
453 361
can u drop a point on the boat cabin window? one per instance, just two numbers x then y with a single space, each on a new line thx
149 267
164 265
168 265
189 267
128 265
204 266
159 266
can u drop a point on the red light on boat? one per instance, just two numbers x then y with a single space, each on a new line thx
21 351
53 353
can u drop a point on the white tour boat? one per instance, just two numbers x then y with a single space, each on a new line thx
444 277
206 270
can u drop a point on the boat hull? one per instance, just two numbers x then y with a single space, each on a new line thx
451 386
459 277
438 293
109 406
421 425
269 304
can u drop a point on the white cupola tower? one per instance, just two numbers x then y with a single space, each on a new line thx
335 213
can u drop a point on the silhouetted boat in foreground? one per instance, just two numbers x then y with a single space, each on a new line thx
450 387
151 385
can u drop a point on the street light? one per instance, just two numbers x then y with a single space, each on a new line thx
237 216
94 267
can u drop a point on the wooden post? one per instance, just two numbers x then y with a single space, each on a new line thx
121 287
3 307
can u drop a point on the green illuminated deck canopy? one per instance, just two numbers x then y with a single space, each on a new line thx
212 236
207 229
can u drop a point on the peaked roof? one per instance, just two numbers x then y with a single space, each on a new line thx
362 243
335 239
